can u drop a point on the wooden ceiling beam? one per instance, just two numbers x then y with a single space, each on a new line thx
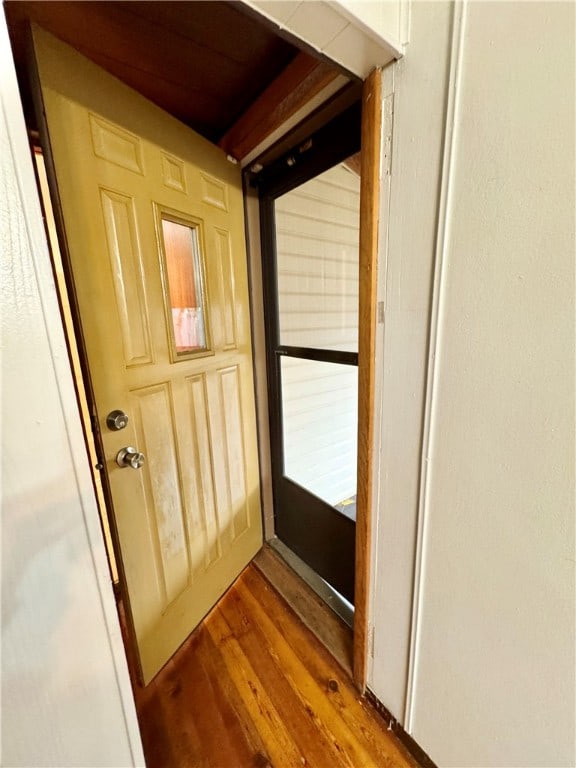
299 82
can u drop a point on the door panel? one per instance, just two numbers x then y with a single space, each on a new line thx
167 339
227 287
318 534
127 272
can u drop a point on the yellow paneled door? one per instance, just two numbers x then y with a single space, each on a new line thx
153 215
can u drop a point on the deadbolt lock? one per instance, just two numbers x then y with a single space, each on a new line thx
116 420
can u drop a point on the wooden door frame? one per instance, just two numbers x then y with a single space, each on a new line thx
371 145
370 182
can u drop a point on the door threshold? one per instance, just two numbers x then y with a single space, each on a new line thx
332 598
313 601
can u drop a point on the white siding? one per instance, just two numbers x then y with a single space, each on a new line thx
320 423
317 244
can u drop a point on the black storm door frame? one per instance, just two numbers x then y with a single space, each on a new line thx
314 530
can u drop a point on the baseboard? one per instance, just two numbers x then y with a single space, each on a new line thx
393 725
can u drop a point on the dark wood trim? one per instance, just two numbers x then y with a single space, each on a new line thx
394 726
300 81
369 217
297 42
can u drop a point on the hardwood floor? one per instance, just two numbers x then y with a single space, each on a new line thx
254 688
332 632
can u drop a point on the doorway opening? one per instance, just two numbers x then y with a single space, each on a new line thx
31 8
309 209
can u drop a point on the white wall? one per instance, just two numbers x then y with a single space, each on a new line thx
492 673
66 697
357 34
419 83
387 18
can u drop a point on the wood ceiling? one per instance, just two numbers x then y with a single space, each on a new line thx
212 65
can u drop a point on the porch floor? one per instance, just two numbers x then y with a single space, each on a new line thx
253 687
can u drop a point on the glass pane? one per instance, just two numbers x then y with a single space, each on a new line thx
184 278
320 418
317 232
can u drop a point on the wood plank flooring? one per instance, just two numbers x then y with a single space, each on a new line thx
332 632
253 688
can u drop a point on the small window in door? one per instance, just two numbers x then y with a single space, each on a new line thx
184 285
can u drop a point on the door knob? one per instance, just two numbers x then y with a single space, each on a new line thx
116 420
130 457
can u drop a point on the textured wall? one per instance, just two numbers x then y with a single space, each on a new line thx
492 676
66 697
419 83
494 651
